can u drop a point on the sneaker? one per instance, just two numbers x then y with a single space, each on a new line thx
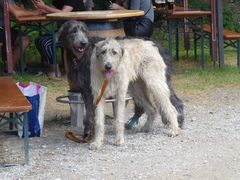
32 72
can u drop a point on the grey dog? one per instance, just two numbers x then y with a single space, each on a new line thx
74 35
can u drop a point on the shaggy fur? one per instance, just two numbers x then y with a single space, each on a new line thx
136 64
74 35
177 103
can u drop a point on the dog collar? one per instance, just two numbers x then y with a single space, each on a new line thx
75 63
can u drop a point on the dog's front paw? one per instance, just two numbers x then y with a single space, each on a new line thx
174 132
95 145
119 141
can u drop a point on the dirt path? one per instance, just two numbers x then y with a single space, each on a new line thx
207 148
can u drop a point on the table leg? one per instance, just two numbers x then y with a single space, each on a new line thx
26 138
54 48
177 41
11 123
195 37
170 37
238 53
202 43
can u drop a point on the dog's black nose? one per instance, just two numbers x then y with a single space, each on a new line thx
83 44
108 66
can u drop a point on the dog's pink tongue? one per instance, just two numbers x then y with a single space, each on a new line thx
80 50
108 75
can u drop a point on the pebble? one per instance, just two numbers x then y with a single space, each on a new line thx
193 119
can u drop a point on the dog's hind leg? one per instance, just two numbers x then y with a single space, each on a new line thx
159 94
99 126
139 94
177 103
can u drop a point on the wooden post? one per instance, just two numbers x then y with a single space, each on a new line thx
213 32
220 33
8 37
186 28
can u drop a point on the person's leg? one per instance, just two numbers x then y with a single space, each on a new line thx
44 45
52 71
138 111
129 27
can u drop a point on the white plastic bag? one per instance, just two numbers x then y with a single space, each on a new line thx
32 90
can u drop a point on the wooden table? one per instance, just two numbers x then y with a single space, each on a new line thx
13 101
108 23
192 16
100 23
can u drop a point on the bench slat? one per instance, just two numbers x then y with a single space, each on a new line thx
11 98
227 34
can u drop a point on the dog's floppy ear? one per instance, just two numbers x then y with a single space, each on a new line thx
122 49
83 26
98 47
63 31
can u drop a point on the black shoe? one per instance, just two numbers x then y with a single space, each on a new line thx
32 72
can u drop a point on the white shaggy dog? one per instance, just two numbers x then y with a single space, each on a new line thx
137 64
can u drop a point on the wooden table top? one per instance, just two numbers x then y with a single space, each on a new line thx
179 14
25 19
11 98
96 15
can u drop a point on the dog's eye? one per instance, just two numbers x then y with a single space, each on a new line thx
73 31
114 52
103 52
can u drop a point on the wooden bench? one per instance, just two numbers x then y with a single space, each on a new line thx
13 101
231 39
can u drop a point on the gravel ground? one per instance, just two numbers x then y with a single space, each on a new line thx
207 148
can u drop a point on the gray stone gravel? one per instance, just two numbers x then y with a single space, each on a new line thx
207 148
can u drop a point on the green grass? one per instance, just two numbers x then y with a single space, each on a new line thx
188 76
196 80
